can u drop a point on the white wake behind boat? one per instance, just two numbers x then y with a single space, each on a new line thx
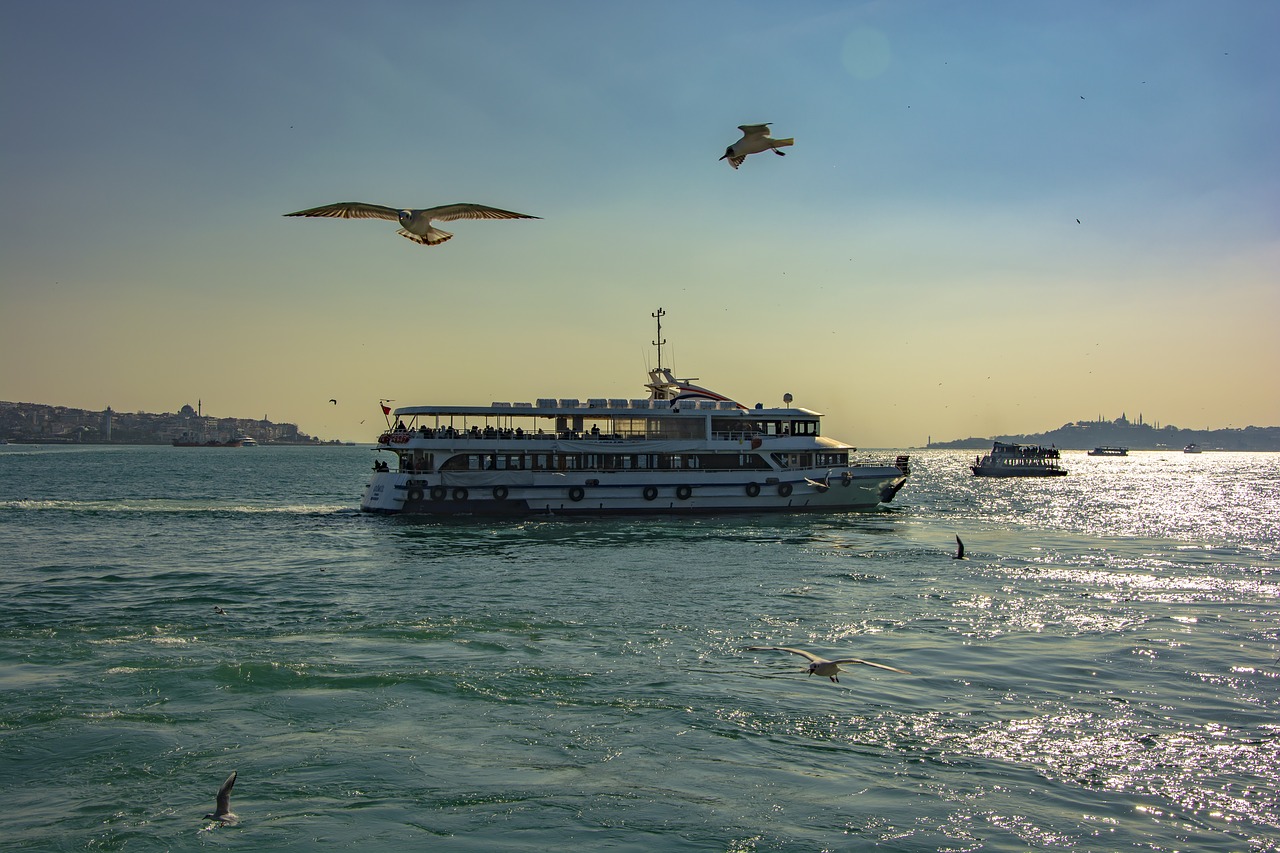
682 450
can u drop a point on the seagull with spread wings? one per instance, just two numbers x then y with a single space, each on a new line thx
414 224
821 665
755 139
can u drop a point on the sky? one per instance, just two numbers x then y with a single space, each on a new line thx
912 268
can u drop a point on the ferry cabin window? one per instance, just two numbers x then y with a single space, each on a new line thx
794 460
623 461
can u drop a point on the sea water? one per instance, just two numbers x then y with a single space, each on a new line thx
1099 673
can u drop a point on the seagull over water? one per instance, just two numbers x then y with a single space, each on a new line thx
222 811
755 138
414 224
821 665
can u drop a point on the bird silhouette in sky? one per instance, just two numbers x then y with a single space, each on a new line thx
414 224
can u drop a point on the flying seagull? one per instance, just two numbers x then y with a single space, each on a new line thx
331 400
820 665
959 549
820 485
755 138
414 224
222 812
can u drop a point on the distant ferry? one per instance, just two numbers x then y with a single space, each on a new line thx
188 440
1109 451
1191 448
1019 460
682 450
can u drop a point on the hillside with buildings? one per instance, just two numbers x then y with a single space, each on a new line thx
1085 435
35 422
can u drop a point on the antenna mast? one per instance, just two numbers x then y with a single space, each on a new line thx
658 315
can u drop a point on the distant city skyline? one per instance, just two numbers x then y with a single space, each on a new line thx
993 219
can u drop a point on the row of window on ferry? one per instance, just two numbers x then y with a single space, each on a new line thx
631 428
419 462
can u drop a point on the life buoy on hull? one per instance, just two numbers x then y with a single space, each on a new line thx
500 493
414 495
753 489
460 494
576 493
683 493
650 492
438 493
784 489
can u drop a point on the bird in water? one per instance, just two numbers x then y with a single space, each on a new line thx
414 224
959 549
821 665
755 138
222 810
219 610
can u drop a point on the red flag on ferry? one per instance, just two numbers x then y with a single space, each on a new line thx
386 410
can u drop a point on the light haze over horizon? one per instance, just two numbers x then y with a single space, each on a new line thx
913 267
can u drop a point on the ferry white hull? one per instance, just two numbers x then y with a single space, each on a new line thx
600 493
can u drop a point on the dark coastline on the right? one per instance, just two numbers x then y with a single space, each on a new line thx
1086 435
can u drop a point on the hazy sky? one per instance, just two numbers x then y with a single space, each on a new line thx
912 267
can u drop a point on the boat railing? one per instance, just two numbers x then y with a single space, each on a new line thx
394 437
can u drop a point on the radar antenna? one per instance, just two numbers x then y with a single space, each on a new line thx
658 315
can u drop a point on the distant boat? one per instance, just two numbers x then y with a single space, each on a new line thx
1019 460
248 441
189 440
1191 448
1109 451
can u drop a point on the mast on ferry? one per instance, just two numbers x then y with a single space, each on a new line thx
663 384
658 315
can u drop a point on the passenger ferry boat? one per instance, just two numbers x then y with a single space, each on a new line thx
1019 460
189 440
1109 451
682 450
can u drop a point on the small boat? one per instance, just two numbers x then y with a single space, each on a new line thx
177 442
1191 448
1019 460
683 450
189 440
1109 451
248 441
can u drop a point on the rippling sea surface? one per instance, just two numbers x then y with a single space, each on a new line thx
1099 674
